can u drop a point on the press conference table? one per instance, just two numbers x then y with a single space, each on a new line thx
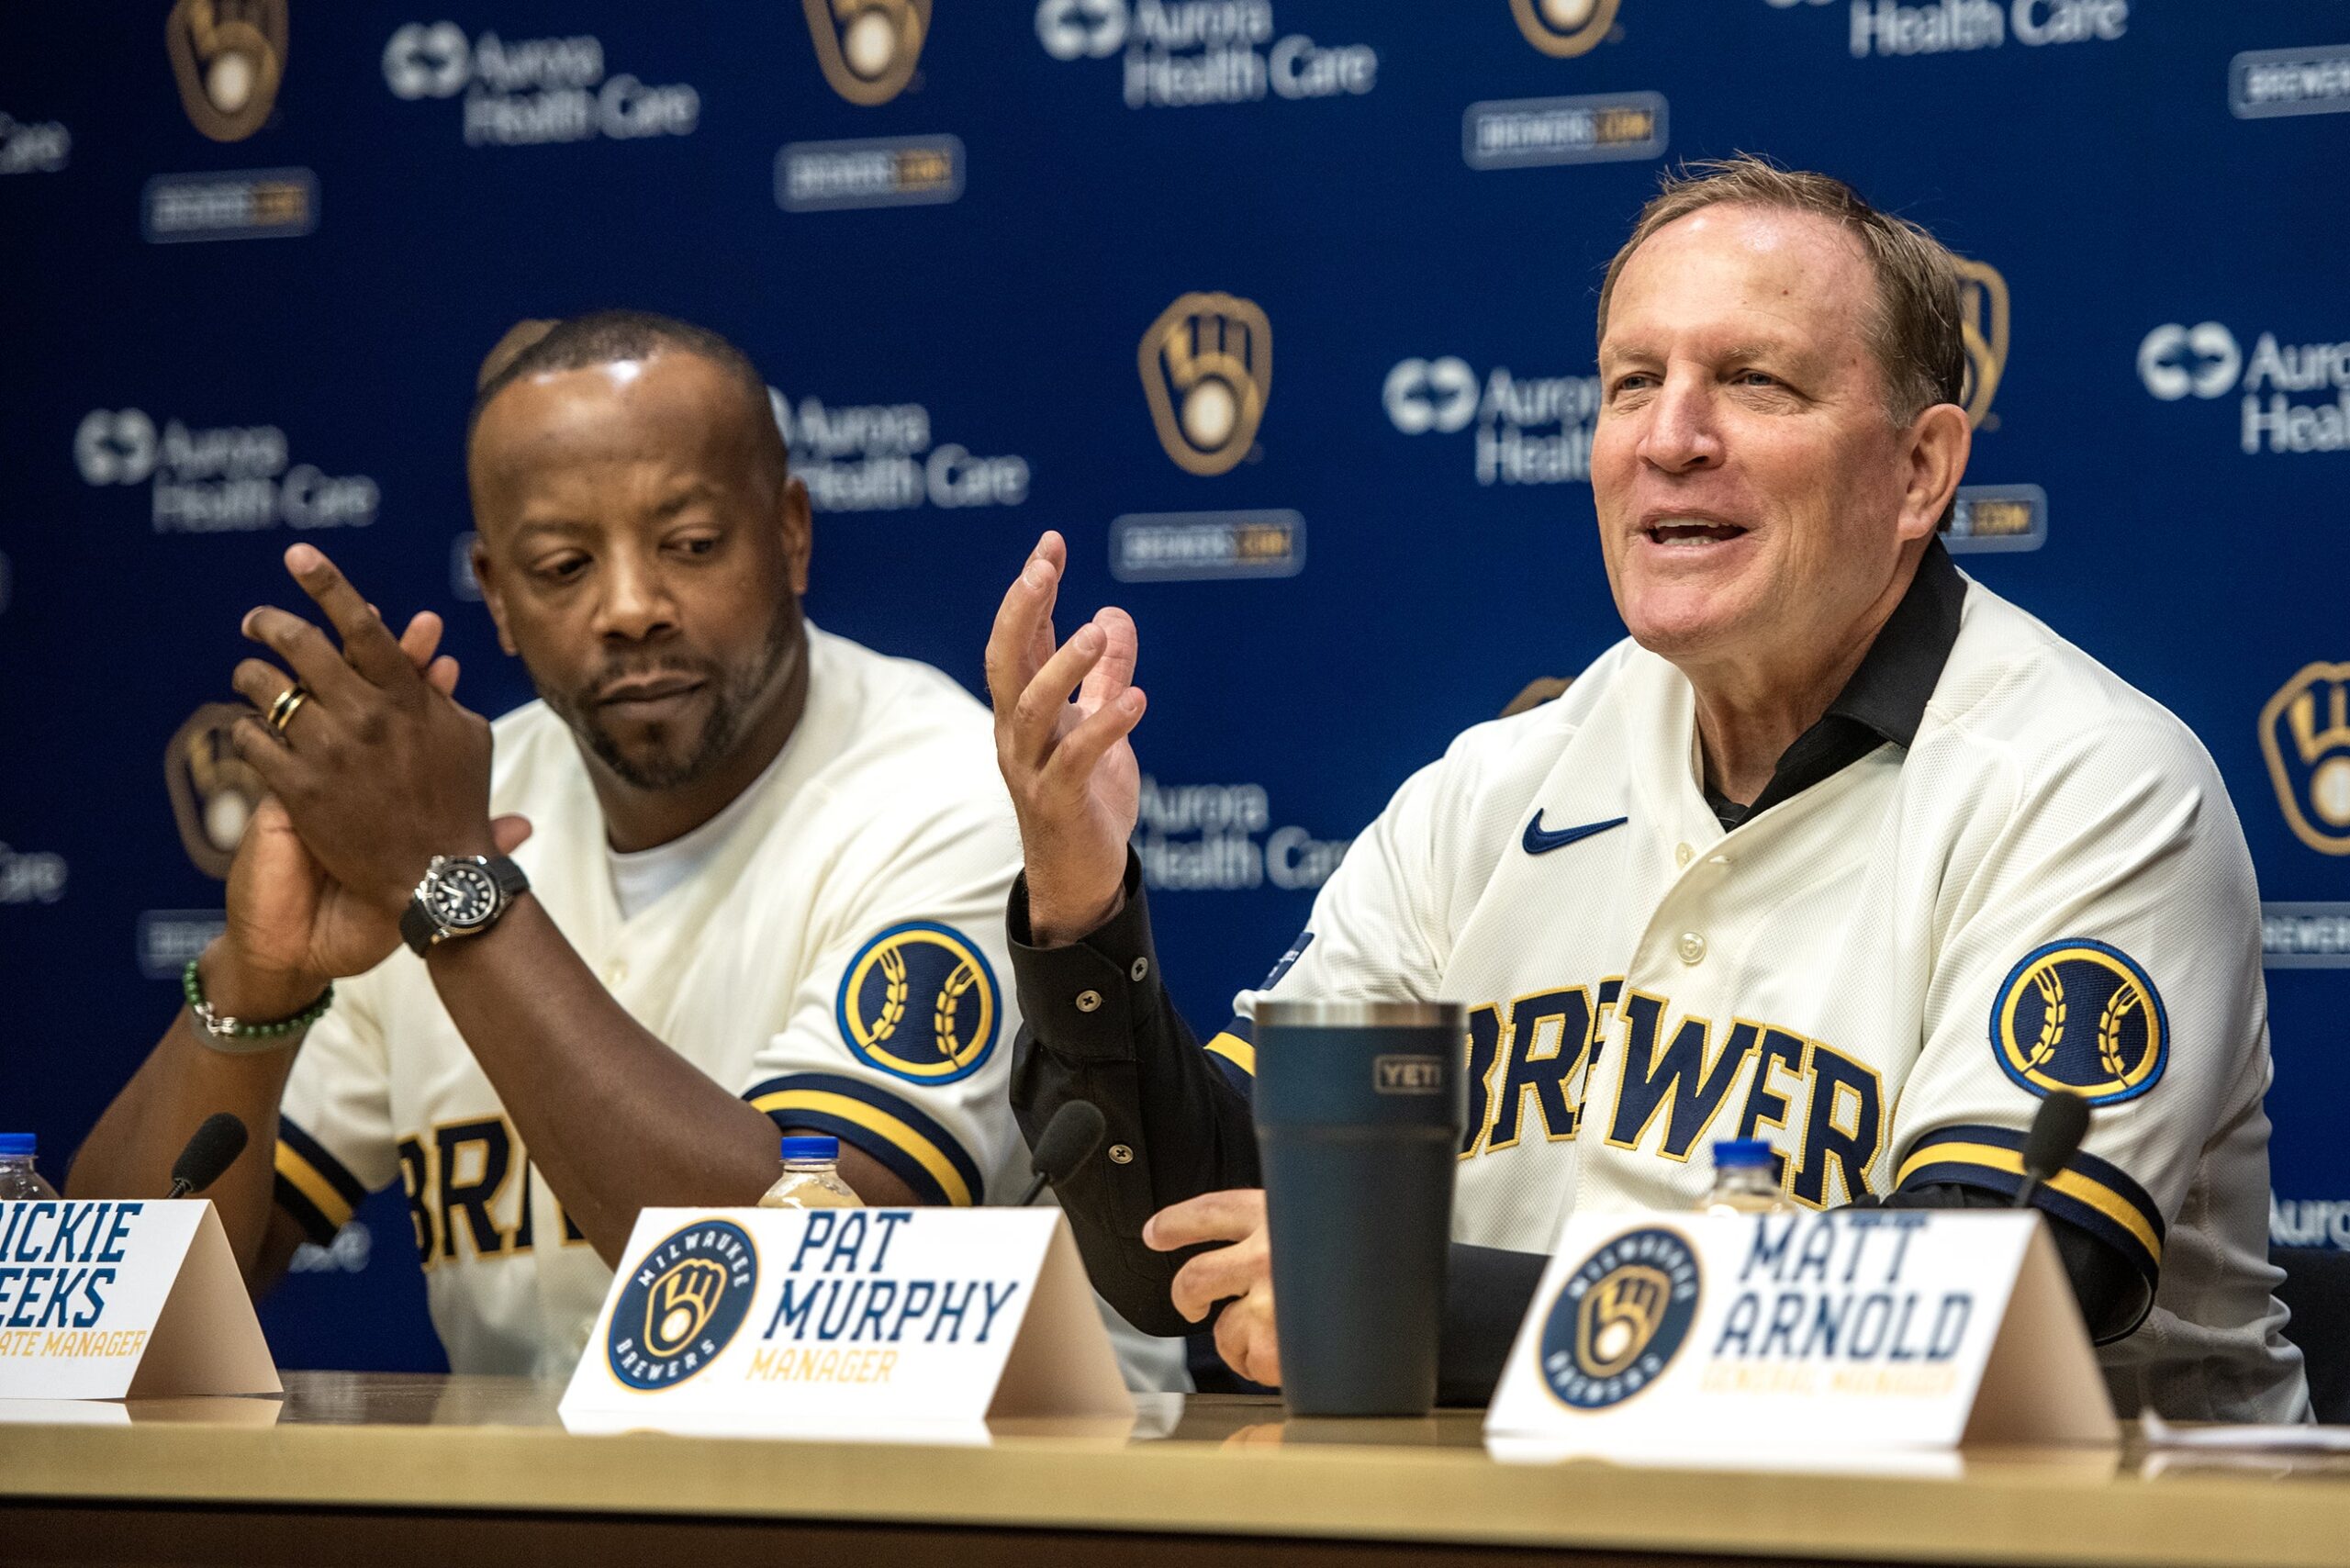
362 1469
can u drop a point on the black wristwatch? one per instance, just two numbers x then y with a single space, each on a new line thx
462 895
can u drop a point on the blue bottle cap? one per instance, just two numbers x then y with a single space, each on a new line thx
1741 1153
811 1147
18 1144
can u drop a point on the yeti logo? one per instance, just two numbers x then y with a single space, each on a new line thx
2202 359
1565 28
229 56
868 48
1207 369
1983 321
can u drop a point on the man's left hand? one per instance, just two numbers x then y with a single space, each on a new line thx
1240 1274
378 769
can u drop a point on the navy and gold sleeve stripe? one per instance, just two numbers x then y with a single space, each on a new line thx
312 1185
2088 1192
1235 1054
913 1145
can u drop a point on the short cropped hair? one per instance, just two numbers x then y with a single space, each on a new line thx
1914 326
602 337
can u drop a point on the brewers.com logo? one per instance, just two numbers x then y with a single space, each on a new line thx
230 56
868 48
1982 321
214 791
1620 1320
1207 369
682 1306
1564 27
2305 736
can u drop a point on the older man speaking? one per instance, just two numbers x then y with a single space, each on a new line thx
1839 849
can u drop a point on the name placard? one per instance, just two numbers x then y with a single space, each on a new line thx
1851 1329
104 1298
846 1322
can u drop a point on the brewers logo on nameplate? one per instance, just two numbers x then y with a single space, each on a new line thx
229 56
1207 370
2305 737
1620 1319
919 1001
1564 27
868 48
682 1306
2081 1016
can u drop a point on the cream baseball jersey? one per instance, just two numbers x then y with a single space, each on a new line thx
836 960
1882 975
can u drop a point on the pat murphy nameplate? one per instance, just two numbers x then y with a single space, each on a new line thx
100 1299
845 1322
1852 1328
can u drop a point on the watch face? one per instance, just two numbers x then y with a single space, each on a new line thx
462 896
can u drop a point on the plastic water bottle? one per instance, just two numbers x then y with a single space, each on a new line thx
1744 1181
811 1177
18 1179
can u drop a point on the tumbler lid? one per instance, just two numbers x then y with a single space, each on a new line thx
1334 1014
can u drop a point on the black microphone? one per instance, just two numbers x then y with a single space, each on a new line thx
1066 1142
2056 1132
213 1150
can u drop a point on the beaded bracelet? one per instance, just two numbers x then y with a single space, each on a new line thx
234 1034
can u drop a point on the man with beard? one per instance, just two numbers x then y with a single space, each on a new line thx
762 886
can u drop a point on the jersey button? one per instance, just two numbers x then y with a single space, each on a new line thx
1683 855
1141 968
615 973
1691 948
1089 1001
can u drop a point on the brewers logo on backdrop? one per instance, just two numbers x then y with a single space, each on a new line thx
919 1001
1983 321
28 148
1620 1319
1207 370
2305 736
230 56
868 48
2080 1015
682 1304
214 791
1564 27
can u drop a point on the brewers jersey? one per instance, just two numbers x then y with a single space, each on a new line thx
836 960
1881 975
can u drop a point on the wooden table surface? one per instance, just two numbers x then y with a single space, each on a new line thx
140 1481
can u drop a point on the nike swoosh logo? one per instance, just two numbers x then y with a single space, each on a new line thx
1541 841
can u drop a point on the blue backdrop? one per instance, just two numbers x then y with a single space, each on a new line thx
253 260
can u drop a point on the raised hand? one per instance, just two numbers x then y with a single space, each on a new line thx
378 768
1069 764
292 927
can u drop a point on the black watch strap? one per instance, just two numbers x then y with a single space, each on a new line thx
420 931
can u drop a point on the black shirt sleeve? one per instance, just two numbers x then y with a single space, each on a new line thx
1096 1024
2106 1283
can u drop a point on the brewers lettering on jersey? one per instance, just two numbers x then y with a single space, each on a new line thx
1837 850
765 867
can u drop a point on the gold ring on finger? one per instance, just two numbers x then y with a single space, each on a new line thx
281 712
